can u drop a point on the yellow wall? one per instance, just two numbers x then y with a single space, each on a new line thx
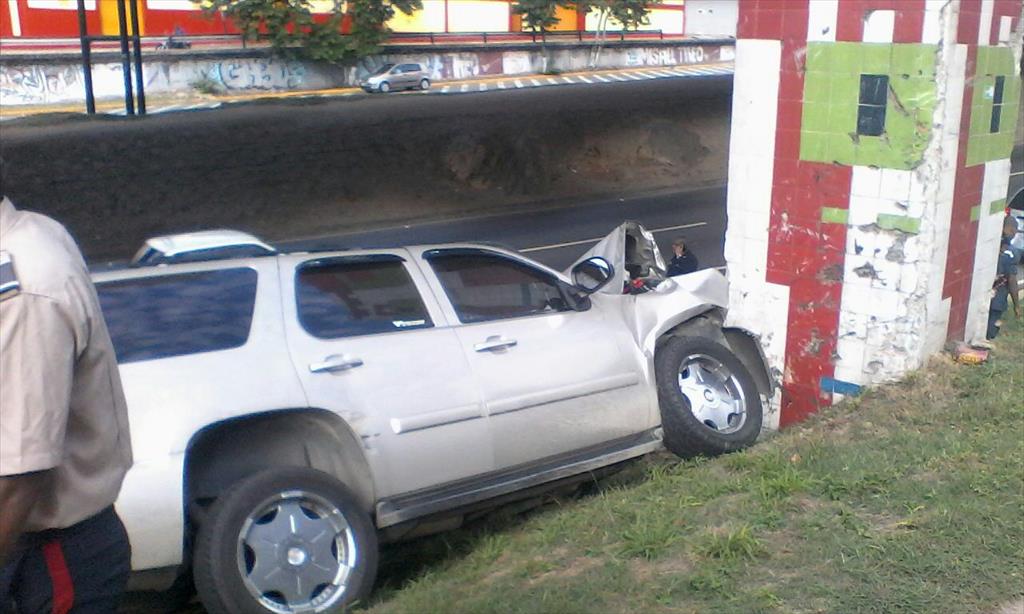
668 21
478 16
430 19
566 19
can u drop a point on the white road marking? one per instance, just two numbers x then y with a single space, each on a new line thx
648 74
501 85
602 79
583 79
464 88
535 82
445 89
568 80
552 81
519 83
1017 173
634 76
663 73
585 241
483 87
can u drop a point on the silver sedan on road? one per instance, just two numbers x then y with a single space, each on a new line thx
396 77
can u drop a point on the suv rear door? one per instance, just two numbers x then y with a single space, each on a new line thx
554 380
369 343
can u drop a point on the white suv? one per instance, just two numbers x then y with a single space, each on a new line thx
289 411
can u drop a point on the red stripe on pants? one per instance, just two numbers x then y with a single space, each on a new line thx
60 578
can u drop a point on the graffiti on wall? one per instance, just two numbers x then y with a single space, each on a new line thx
32 84
259 74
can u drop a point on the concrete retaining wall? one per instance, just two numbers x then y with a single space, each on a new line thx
49 80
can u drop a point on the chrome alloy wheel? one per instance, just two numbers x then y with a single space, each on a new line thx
713 392
296 552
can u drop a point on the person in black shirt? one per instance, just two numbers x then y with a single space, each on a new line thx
683 261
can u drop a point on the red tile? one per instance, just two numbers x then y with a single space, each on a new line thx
850 21
769 23
909 27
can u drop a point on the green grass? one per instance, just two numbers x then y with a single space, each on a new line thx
909 498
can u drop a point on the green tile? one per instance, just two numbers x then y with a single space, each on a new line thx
818 58
904 223
814 146
975 213
913 60
814 117
876 58
845 58
842 119
834 215
817 87
997 206
841 149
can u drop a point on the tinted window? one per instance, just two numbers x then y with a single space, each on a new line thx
488 287
346 297
874 93
410 67
173 315
997 103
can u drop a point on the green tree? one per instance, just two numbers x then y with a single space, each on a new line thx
538 16
291 29
631 14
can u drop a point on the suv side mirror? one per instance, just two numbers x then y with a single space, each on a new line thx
592 274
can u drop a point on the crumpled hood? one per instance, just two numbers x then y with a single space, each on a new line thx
641 246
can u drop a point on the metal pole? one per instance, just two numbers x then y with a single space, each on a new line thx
83 33
140 88
126 58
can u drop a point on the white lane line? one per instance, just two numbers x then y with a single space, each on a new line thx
446 89
535 82
618 77
501 85
583 79
635 77
663 73
482 88
568 80
519 83
552 81
602 79
648 74
464 88
1017 173
585 241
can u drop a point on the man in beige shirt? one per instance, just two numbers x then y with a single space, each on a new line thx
64 440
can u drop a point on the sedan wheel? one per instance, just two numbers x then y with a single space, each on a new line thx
424 84
384 87
709 401
284 541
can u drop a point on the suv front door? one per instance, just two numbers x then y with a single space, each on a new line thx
554 379
367 346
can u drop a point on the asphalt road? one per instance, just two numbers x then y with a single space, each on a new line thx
558 236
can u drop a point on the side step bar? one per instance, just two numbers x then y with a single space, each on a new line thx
423 503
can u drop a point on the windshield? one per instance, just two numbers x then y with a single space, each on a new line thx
383 69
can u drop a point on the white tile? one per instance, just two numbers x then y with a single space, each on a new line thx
879 25
821 20
895 184
887 274
909 278
932 32
1004 29
866 181
851 354
860 242
863 210
852 324
985 28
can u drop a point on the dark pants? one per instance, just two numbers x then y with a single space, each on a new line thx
993 329
81 569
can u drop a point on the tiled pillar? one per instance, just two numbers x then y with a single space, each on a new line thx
868 162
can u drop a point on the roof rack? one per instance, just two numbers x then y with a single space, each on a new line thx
199 247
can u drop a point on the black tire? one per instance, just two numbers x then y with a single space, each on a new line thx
424 84
220 555
384 87
685 434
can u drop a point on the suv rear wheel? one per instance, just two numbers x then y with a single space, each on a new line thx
709 401
284 540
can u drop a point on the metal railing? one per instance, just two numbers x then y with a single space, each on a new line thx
515 37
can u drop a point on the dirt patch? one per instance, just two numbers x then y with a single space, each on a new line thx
282 170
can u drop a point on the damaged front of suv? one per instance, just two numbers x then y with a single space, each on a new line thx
713 384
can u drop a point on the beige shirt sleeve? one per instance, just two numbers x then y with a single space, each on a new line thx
37 358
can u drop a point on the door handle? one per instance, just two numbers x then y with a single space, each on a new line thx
336 362
496 342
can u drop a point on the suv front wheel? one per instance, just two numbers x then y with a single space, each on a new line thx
289 539
709 402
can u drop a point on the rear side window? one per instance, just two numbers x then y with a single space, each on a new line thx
485 287
175 315
349 297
